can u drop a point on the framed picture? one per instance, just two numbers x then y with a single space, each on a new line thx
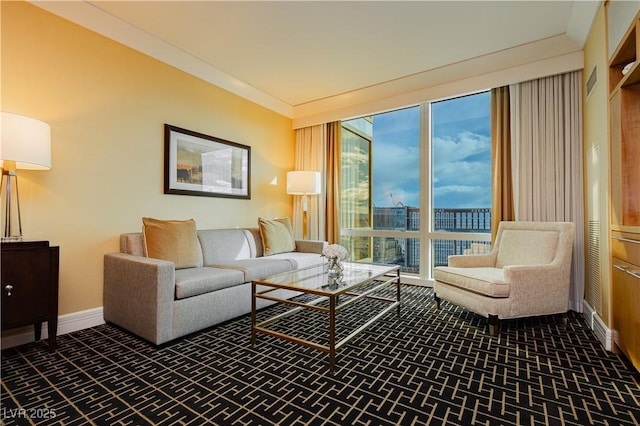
197 164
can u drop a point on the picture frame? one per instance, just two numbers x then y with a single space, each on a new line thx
203 165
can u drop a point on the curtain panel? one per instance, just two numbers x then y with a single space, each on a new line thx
318 149
502 208
309 156
546 128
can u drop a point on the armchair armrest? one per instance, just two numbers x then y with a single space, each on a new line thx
472 260
310 246
138 295
538 286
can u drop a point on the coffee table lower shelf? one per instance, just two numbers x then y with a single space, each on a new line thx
334 306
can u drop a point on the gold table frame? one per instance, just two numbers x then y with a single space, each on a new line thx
313 280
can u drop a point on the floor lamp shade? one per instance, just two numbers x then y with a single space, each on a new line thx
303 183
25 143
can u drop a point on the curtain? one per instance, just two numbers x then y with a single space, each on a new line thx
502 207
332 175
546 118
309 155
318 149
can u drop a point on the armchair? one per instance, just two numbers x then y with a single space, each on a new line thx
527 273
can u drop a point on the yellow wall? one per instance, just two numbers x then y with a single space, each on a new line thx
107 105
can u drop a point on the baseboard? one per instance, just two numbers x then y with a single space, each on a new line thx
66 324
92 317
602 332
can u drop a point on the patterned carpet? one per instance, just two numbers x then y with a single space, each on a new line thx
426 367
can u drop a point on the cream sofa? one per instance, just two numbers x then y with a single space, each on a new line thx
154 300
527 273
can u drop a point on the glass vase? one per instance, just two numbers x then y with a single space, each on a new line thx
334 270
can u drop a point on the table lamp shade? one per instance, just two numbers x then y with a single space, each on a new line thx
303 182
25 141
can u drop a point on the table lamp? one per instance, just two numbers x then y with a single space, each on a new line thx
25 143
303 183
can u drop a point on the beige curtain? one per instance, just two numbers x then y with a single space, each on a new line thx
309 155
318 149
546 118
501 173
332 169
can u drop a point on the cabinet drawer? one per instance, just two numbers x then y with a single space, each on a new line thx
626 246
626 312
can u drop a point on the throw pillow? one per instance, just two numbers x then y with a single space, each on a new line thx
277 235
173 240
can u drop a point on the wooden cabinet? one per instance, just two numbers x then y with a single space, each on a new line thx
624 139
624 120
30 287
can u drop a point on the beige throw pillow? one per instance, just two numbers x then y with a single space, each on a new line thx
173 240
277 235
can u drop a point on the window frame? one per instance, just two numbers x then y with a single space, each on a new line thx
426 235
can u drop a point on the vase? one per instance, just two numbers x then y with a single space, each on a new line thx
334 270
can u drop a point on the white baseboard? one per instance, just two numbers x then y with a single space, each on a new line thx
92 317
66 324
602 332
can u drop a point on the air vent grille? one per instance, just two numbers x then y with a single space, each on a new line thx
593 266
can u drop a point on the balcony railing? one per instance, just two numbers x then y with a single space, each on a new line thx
396 237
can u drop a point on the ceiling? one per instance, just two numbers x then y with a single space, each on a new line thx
291 54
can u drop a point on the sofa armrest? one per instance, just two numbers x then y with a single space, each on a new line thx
138 295
472 260
310 246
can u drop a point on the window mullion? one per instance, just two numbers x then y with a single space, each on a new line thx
425 190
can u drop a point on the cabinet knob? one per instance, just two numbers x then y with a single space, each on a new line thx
8 288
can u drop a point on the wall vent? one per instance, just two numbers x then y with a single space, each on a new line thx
593 265
593 79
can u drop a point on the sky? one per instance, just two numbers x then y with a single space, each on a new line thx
461 161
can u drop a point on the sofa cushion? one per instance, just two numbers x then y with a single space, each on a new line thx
300 260
221 245
257 268
277 235
195 281
527 247
172 240
486 281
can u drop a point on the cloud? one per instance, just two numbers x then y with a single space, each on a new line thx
462 171
464 145
461 155
462 196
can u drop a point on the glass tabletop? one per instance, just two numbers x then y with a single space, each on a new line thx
314 279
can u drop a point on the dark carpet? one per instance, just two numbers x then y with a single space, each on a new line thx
425 367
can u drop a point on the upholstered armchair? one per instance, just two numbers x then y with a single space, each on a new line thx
527 273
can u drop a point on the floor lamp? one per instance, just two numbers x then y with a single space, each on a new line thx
303 183
25 143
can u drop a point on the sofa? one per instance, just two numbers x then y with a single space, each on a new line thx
161 300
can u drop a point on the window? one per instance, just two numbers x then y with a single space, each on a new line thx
434 157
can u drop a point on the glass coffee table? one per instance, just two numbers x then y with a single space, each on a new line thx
360 282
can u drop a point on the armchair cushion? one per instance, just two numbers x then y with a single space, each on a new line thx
527 247
485 281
